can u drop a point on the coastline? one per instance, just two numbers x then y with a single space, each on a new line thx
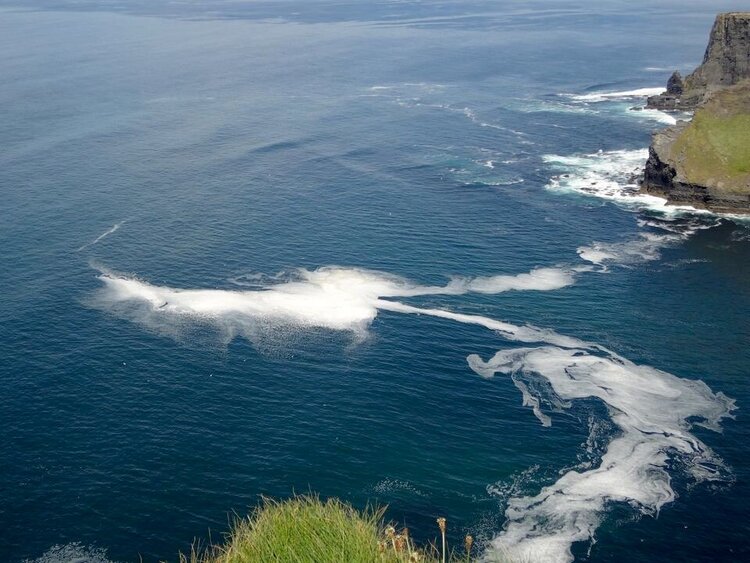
705 162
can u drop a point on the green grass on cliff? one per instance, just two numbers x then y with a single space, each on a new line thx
714 150
305 529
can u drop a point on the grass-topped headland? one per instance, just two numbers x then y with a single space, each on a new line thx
306 529
714 150
705 163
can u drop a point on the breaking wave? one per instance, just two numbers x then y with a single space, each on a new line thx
624 95
620 102
614 176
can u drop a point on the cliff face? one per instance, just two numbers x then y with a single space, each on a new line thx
726 62
706 162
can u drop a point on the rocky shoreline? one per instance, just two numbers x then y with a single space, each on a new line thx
705 163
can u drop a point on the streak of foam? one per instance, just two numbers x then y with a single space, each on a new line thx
468 112
506 330
534 105
654 412
105 234
541 279
420 94
327 298
624 95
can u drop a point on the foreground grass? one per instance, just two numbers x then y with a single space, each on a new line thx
305 529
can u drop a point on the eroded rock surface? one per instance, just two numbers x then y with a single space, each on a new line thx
726 62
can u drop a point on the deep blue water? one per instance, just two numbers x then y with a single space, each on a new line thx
232 143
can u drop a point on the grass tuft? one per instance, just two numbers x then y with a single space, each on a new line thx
306 529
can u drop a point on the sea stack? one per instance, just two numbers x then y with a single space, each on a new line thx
705 163
726 62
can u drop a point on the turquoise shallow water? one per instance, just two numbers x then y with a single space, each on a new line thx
225 146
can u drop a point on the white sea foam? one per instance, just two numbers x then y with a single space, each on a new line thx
415 95
508 331
651 408
624 100
330 298
72 553
643 249
409 87
497 182
682 66
611 175
541 279
561 105
390 486
656 115
471 115
615 176
106 233
649 244
654 412
624 95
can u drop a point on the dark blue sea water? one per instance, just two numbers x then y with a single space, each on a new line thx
324 169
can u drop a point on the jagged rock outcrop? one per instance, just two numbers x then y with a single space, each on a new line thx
726 62
705 163
675 85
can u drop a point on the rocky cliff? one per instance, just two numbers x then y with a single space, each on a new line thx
726 62
705 163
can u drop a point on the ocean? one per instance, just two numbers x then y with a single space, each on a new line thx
387 251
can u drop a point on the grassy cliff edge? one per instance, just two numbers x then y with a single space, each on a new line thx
714 150
306 529
706 162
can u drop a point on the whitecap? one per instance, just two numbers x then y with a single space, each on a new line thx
606 96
